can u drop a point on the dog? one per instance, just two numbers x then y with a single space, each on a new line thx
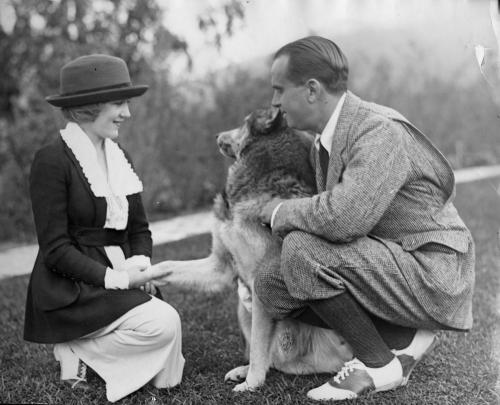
270 160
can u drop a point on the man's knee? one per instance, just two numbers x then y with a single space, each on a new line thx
297 259
272 291
265 285
294 248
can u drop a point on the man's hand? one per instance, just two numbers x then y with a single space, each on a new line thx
267 211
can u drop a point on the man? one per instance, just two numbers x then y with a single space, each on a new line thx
380 254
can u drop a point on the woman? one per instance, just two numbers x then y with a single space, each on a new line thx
89 289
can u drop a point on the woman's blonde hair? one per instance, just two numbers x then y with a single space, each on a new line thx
84 113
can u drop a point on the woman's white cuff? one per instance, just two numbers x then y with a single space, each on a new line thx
116 280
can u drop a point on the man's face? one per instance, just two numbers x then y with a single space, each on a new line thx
291 99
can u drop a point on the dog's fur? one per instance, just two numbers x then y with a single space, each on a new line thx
271 160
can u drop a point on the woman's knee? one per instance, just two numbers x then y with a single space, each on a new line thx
164 322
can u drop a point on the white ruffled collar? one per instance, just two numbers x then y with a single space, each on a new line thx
122 180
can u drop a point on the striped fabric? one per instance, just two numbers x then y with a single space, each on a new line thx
385 228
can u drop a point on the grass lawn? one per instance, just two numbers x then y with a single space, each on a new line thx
461 370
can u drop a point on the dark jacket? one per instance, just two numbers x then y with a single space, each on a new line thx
66 296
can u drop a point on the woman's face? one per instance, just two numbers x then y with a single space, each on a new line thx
108 122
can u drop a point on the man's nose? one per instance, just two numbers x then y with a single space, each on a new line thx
276 102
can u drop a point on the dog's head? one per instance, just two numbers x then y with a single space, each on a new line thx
259 123
270 158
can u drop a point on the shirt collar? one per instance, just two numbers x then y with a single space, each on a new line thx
326 137
121 180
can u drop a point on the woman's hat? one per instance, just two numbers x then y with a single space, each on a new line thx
94 79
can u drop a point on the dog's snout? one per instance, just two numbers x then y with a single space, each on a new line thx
225 142
220 140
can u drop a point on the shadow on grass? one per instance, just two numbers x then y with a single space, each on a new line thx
461 370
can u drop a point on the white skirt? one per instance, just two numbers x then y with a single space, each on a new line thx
143 345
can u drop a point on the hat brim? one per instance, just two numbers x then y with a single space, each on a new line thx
95 97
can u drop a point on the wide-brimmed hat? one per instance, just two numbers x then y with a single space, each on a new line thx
94 79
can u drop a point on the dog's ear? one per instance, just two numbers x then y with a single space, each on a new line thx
273 119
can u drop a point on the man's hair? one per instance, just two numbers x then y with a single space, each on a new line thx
81 114
316 58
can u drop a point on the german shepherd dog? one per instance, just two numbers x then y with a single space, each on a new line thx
270 160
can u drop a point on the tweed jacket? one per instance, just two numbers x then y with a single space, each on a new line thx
66 297
386 180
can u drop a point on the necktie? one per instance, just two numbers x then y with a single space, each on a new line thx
323 161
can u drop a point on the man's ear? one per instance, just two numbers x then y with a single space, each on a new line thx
313 90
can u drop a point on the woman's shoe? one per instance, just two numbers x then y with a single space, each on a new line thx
73 370
80 381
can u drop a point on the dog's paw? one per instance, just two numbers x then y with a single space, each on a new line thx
237 374
242 387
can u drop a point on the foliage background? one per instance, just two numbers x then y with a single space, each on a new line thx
171 136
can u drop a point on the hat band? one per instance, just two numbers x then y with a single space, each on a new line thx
114 86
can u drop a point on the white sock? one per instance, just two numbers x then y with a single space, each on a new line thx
421 341
388 374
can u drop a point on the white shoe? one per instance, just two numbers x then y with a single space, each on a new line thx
72 368
355 379
422 344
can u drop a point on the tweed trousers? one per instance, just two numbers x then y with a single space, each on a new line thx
313 268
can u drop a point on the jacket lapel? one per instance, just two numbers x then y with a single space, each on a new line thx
339 143
100 206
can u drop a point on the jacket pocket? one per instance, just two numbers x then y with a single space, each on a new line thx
456 240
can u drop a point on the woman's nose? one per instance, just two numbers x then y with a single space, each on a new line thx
125 111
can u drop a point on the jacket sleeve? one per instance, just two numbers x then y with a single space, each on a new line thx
376 169
139 234
49 199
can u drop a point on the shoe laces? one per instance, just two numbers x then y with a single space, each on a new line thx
82 372
347 368
77 380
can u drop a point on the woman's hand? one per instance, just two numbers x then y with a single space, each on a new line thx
149 288
138 275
